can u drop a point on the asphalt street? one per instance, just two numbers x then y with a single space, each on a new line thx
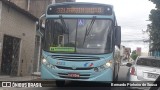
82 85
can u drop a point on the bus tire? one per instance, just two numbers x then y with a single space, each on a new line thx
115 77
60 83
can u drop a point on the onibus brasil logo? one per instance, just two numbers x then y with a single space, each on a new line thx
19 84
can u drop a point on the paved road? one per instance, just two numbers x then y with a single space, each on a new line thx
82 85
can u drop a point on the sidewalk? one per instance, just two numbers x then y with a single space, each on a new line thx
34 76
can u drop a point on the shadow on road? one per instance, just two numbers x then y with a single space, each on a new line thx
76 85
85 84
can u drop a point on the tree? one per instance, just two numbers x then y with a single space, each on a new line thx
154 27
134 55
157 2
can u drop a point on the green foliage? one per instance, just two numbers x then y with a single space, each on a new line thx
134 55
154 27
157 2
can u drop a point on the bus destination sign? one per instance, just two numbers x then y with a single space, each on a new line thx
80 10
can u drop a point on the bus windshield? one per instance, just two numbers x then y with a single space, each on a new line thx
93 36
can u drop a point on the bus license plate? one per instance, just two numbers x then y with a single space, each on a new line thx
150 75
73 75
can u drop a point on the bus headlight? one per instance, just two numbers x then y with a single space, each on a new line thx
108 64
50 66
44 61
47 64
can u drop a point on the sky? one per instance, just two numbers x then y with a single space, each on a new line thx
132 16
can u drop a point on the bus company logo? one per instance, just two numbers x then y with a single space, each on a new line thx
91 65
88 65
85 65
6 84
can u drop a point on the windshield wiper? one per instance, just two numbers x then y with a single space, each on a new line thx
64 26
89 28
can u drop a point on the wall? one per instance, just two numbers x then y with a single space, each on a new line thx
21 3
15 24
37 7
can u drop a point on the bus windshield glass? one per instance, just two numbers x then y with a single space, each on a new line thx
93 36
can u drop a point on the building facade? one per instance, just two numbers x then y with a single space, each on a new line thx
17 40
20 44
139 51
37 7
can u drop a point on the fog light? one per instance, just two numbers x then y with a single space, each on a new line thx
96 69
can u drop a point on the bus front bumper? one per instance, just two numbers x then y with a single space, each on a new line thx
85 75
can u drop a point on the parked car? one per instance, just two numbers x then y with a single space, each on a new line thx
145 68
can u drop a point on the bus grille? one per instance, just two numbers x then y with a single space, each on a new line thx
82 76
75 58
70 68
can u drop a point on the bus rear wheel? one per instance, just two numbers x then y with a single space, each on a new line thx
60 83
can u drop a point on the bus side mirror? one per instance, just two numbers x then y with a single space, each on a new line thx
41 25
40 28
118 35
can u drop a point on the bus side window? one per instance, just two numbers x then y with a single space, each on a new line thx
109 41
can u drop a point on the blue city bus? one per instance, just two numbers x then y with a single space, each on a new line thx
80 42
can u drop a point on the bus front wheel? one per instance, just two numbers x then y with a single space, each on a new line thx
60 83
115 77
